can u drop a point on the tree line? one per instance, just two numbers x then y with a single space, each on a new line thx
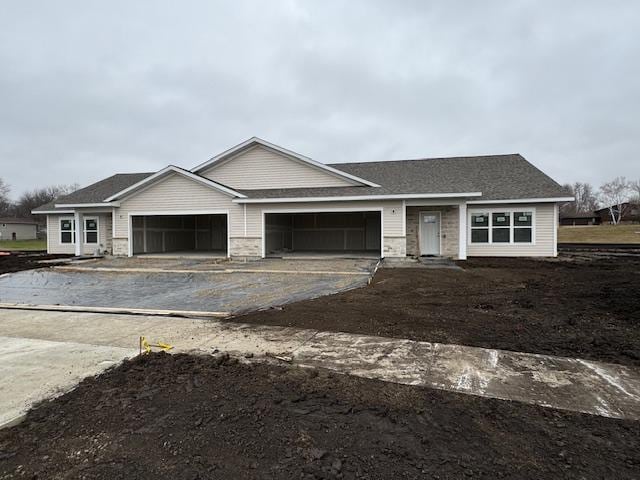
29 200
615 195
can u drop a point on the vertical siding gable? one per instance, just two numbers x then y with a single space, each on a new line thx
262 168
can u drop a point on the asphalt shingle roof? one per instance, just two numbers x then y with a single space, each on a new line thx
97 192
498 177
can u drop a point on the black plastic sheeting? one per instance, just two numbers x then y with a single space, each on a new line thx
222 292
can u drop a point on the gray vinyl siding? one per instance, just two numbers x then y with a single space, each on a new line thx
261 168
544 245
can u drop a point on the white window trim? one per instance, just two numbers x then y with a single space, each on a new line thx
84 229
73 232
510 211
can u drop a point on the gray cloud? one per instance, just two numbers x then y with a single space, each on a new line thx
88 89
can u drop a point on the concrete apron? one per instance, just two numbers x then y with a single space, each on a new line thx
608 390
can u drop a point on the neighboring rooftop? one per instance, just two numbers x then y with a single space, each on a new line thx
23 221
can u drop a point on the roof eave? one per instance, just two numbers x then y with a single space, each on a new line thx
349 198
87 205
50 212
524 200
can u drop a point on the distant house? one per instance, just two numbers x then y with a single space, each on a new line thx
630 213
18 229
589 218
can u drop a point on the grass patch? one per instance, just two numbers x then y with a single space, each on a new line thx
23 244
600 234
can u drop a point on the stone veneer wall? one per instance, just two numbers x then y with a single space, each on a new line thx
108 245
395 247
449 229
120 246
245 247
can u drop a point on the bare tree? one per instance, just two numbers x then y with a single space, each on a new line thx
586 200
614 195
39 196
5 202
635 189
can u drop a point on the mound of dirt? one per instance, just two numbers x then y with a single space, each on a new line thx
584 307
15 262
188 417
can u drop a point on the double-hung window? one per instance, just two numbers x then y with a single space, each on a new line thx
67 230
480 227
502 226
523 227
90 230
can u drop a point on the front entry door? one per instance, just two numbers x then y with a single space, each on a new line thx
429 233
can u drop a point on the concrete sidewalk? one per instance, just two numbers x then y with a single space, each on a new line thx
84 344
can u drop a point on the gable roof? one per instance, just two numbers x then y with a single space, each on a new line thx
485 178
489 177
255 141
167 171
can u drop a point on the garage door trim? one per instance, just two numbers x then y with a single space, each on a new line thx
321 210
151 213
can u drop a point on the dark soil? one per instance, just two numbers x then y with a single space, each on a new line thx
585 307
187 417
18 261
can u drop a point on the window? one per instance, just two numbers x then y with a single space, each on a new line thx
523 227
90 230
67 230
501 231
479 228
502 226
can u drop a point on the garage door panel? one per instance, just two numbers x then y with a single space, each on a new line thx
355 240
323 232
179 233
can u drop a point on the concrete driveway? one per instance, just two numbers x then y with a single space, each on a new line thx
182 286
43 354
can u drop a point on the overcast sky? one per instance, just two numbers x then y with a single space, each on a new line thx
88 89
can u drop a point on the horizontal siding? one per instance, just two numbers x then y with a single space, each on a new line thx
544 235
53 235
392 213
177 193
261 168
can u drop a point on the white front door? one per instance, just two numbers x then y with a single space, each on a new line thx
429 233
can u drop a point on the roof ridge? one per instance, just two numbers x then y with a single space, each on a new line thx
431 158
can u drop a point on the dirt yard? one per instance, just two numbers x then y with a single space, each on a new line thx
579 306
187 417
18 261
